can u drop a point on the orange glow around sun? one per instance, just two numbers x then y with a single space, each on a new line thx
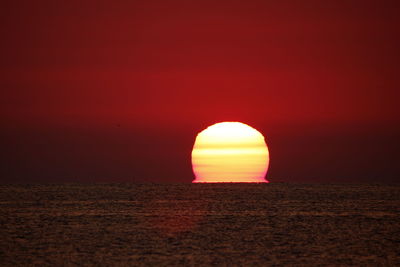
230 152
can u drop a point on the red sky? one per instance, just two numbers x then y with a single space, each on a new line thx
117 90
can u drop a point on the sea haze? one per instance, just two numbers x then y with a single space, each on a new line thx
202 224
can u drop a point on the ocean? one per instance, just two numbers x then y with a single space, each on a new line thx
199 224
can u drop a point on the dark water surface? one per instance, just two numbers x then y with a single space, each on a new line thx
199 224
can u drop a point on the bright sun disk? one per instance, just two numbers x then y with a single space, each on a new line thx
230 152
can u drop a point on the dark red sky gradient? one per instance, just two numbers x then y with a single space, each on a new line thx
117 90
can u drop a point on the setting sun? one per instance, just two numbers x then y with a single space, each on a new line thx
230 152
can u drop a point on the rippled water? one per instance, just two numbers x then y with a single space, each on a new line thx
199 224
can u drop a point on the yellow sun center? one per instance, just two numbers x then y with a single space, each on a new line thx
230 152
